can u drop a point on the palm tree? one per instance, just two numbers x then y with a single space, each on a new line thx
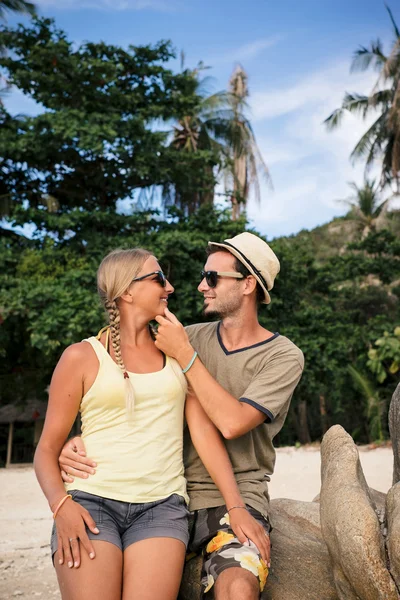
374 406
246 161
220 126
13 6
368 211
382 140
21 6
205 130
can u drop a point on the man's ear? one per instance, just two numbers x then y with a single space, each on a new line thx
250 285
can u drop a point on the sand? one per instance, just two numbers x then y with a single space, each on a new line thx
25 520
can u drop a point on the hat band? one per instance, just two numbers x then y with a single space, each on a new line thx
249 263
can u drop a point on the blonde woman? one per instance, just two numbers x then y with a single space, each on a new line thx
122 533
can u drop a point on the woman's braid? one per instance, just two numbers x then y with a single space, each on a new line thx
114 317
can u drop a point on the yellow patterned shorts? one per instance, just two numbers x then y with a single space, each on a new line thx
212 536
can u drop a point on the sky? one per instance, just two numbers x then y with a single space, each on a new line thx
297 55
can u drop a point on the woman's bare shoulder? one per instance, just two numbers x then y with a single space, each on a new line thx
78 353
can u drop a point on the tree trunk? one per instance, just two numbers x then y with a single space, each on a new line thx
302 423
324 416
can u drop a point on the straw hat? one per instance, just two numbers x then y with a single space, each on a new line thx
256 256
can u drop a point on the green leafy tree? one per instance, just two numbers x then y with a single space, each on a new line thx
76 153
382 140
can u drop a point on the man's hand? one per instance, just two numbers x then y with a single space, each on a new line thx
172 338
245 527
74 462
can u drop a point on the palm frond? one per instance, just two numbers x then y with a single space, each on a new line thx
391 66
21 6
395 28
364 57
368 141
335 118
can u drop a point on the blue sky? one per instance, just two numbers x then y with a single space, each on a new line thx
297 55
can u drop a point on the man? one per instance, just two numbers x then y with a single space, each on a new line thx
243 376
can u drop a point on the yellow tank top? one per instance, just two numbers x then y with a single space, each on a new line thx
138 460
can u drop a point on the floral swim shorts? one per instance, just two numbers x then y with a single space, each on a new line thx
211 535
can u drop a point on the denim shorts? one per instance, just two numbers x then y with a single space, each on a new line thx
124 523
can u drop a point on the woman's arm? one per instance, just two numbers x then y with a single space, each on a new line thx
66 391
211 449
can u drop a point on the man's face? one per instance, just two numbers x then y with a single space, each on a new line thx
225 299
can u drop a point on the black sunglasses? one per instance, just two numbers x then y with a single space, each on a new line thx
212 276
159 278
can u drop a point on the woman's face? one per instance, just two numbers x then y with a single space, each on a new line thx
148 294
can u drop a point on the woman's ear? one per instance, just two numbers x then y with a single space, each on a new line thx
127 297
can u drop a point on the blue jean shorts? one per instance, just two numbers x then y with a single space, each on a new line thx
124 523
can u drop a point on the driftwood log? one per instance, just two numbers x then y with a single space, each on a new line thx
343 546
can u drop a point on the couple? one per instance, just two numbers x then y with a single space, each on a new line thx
121 530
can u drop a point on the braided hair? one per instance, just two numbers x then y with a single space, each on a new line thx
114 277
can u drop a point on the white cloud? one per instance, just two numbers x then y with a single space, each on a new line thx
254 49
310 165
116 5
324 87
245 52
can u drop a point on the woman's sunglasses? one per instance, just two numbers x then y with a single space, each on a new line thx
211 277
159 278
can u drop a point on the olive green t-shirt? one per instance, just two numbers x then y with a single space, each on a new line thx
263 375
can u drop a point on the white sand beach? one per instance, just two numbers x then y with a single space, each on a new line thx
25 520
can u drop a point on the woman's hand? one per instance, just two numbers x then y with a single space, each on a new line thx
71 533
246 527
74 462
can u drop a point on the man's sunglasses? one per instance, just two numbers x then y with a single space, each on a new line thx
159 278
211 277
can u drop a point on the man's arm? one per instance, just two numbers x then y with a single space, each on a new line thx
73 461
211 449
231 416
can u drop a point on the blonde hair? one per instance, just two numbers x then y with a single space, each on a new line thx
114 276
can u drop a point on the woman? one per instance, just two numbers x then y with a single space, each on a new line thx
126 527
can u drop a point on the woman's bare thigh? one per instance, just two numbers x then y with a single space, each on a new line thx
153 569
96 578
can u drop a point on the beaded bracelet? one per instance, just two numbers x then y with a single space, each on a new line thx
232 507
59 505
186 369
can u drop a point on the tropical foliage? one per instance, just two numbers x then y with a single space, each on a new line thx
368 211
221 125
382 139
62 157
65 173
20 6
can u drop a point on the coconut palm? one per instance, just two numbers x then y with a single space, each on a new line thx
367 209
20 6
206 130
221 126
382 140
246 161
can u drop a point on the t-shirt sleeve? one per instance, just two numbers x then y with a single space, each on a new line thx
272 388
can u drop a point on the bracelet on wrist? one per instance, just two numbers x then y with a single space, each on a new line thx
232 507
186 369
59 505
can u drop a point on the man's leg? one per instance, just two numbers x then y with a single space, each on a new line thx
231 571
236 583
